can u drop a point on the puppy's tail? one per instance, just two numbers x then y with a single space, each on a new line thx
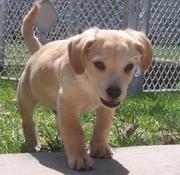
32 42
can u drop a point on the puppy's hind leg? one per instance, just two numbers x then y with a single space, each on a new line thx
27 104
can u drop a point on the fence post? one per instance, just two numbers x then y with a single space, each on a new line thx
136 85
132 15
2 32
145 15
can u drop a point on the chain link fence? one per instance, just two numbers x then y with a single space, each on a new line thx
159 19
73 17
164 31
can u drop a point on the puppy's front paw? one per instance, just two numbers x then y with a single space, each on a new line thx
81 162
100 151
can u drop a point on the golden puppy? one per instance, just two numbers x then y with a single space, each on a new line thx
87 72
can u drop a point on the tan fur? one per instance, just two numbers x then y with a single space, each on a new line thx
62 76
144 47
31 41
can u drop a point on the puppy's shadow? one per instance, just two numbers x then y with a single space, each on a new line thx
58 162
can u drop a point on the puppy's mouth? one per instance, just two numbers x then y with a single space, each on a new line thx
110 104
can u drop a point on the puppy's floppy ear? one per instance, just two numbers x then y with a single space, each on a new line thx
77 51
143 46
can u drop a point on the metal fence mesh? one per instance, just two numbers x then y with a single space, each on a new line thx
164 31
13 52
76 16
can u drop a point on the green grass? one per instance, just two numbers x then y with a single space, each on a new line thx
15 57
156 114
14 52
169 53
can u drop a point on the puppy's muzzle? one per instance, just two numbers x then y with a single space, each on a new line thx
113 92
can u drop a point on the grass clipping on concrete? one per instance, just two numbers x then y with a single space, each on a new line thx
146 119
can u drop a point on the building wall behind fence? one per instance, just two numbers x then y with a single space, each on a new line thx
74 16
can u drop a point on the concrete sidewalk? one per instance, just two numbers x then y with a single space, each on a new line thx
142 160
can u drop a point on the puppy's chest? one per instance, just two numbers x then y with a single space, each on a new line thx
89 98
90 105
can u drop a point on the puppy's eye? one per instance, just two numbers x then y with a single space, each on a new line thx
128 67
100 65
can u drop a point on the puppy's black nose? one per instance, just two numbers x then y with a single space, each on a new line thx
113 91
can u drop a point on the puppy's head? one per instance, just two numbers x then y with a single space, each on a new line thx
109 58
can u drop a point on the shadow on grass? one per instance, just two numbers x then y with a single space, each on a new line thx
58 162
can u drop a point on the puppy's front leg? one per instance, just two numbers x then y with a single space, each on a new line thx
73 137
99 143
